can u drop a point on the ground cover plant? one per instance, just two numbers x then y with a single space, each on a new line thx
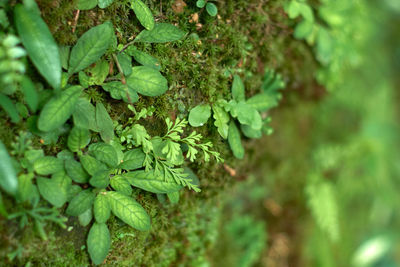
195 128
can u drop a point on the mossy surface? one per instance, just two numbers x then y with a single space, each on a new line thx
246 37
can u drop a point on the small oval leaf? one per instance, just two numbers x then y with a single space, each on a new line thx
98 242
143 13
199 115
147 81
48 165
161 33
8 177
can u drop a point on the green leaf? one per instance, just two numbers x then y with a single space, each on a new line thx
3 211
238 89
145 59
161 33
105 3
85 218
100 179
65 155
65 51
25 187
54 190
118 90
120 184
200 3
147 81
85 115
199 115
151 181
250 132
212 9
143 13
73 191
303 29
48 165
31 97
92 165
221 120
8 177
104 123
98 242
81 203
86 4
101 208
9 107
133 159
39 43
58 110
99 72
262 102
90 47
78 138
173 197
106 153
248 116
234 141
129 211
75 170
125 62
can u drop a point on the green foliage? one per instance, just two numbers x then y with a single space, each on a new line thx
98 242
161 33
211 8
39 43
143 13
147 81
8 178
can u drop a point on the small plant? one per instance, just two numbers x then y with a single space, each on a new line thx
211 8
247 112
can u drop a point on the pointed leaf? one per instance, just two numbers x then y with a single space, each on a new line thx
129 211
147 81
104 123
85 115
173 197
238 89
101 208
106 153
100 179
81 203
48 165
9 107
98 242
133 159
54 190
143 14
90 47
78 138
39 43
235 141
151 181
161 33
75 170
8 177
120 184
58 110
92 165
31 97
221 120
145 59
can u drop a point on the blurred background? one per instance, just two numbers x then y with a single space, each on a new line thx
328 190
